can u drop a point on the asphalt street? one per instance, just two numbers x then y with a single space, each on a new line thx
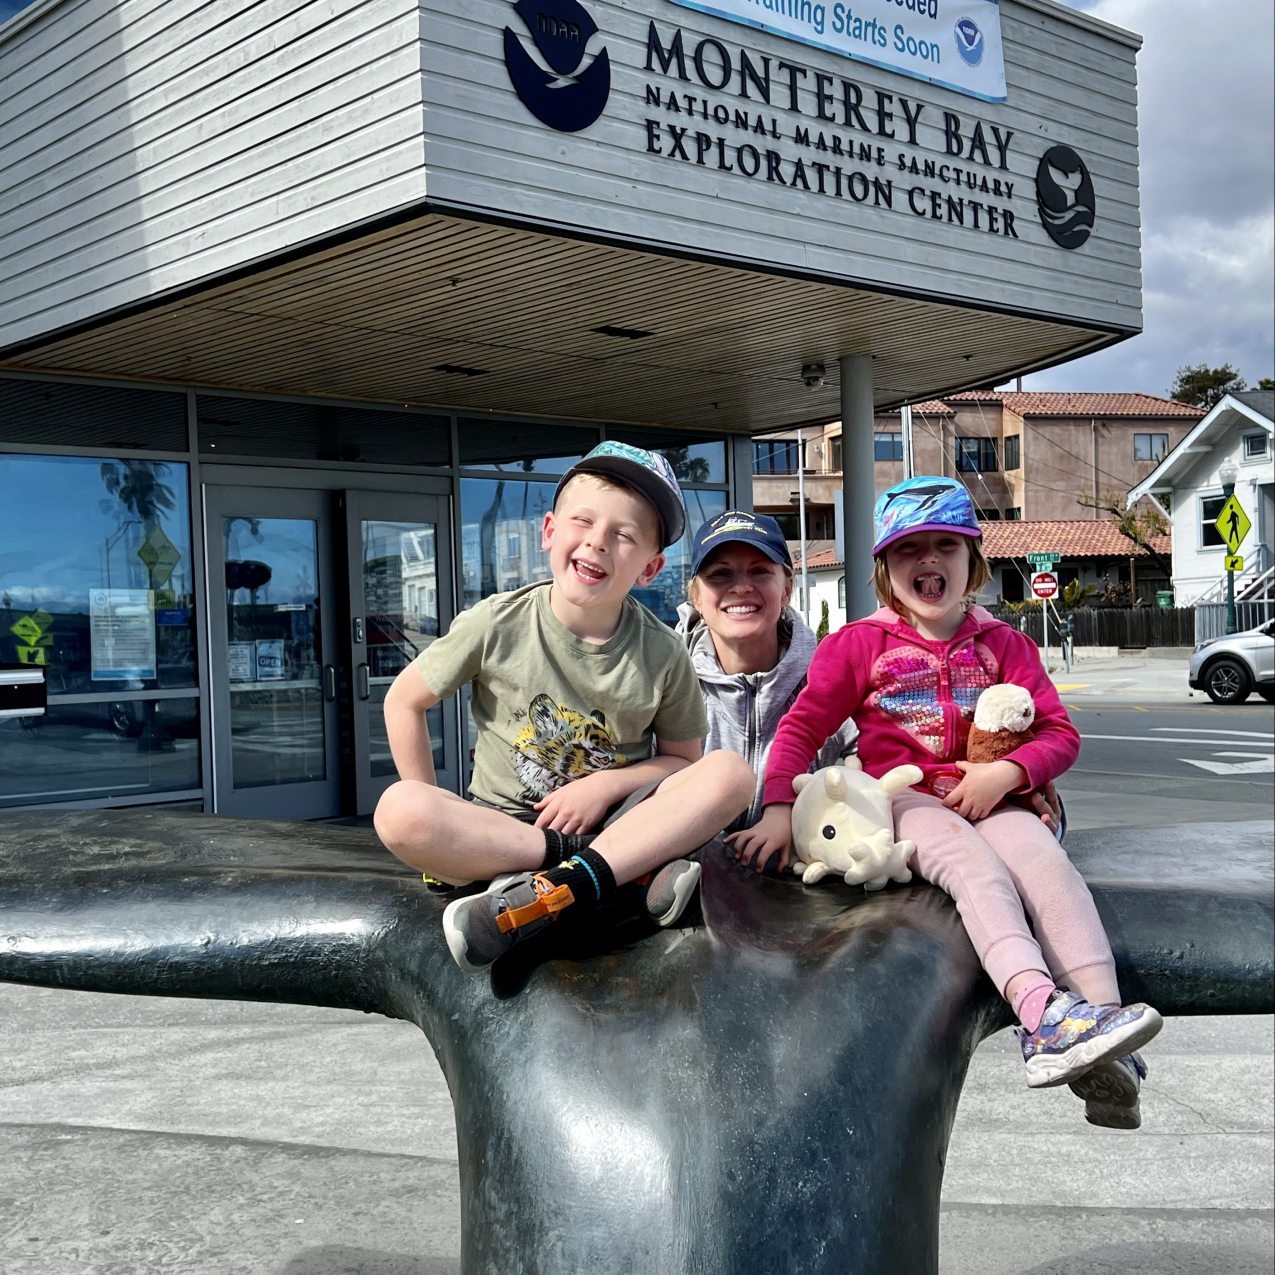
1152 763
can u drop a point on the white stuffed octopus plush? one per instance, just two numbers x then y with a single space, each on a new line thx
842 822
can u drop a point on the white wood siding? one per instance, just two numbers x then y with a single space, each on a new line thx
149 144
1066 84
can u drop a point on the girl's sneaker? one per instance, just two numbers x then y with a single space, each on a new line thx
1110 1091
1075 1036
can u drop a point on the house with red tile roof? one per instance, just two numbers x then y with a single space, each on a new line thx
1034 456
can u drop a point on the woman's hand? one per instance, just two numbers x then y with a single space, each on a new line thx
984 787
1048 805
578 806
770 835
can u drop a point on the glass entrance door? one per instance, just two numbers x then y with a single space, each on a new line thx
272 626
399 553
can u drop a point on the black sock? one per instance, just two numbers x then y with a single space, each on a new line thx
588 874
560 846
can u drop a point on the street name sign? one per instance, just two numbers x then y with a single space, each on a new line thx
1044 584
1044 561
1232 524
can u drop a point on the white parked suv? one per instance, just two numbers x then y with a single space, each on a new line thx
1228 668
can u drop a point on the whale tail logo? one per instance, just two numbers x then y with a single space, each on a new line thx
969 40
1065 197
558 93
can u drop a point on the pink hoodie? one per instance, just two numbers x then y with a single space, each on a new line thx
913 700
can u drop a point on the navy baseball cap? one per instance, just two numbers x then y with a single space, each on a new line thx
646 472
757 530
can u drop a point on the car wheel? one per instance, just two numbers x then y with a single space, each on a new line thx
1227 682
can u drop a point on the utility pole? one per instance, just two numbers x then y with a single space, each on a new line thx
909 461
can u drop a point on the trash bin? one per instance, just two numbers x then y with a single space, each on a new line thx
1164 599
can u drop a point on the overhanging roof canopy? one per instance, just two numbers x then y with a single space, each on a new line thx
443 310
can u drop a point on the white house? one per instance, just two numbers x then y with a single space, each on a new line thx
1234 436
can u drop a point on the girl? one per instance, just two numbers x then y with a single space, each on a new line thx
909 675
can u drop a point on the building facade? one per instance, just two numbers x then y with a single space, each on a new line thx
305 309
1036 456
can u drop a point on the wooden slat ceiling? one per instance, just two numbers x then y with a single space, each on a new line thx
375 318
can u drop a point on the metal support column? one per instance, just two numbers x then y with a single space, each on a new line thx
858 481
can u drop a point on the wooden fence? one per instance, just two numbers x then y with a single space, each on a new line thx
1128 627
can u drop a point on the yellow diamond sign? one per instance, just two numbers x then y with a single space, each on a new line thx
1232 524
160 556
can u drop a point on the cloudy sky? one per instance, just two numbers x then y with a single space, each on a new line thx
1208 193
1208 208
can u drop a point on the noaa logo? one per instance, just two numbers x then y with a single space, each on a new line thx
1064 194
564 97
969 40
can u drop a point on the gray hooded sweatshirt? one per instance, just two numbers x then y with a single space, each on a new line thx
744 708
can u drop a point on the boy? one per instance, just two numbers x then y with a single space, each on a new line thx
571 680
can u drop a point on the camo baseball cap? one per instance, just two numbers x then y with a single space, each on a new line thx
646 472
924 503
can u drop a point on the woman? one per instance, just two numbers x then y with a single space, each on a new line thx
750 651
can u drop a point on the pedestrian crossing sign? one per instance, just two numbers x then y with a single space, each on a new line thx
1233 562
1232 524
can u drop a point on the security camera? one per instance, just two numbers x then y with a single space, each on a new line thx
814 375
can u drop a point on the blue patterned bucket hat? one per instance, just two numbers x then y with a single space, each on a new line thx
646 472
925 503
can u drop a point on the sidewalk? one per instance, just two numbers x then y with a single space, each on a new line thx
1122 677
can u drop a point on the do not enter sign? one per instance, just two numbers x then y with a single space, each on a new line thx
1044 584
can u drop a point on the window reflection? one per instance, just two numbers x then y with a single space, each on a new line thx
500 531
83 752
95 572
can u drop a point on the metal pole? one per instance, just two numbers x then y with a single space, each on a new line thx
1228 490
801 513
909 461
858 481
1044 624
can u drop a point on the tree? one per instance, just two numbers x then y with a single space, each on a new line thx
1266 383
822 631
1140 526
1204 386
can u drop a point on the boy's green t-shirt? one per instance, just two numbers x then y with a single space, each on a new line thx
551 707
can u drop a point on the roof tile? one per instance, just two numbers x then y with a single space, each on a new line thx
1082 403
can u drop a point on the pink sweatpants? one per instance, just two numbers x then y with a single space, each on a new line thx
1003 872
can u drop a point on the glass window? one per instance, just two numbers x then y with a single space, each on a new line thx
841 592
1013 451
400 606
57 414
95 751
1014 513
888 446
1011 584
495 515
522 447
1150 446
1210 507
320 431
988 515
694 459
272 625
976 455
668 590
95 572
775 457
1255 446
834 453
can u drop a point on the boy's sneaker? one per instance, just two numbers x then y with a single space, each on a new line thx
1074 1036
667 891
1110 1091
514 907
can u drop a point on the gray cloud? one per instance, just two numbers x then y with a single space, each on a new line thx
1207 133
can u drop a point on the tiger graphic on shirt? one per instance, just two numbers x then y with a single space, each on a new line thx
557 745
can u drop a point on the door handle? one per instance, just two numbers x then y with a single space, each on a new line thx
329 683
364 682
